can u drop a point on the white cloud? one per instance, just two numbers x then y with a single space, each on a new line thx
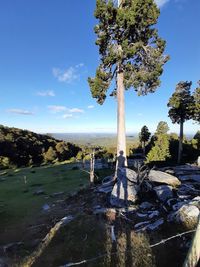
20 111
46 93
76 110
66 116
67 75
56 109
161 3
90 106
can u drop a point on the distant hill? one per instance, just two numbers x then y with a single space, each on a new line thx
94 139
25 148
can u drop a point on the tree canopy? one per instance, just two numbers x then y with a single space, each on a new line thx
196 96
128 42
181 103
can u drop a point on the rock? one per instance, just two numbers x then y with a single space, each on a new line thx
56 194
148 215
107 185
163 192
39 192
45 207
163 178
190 177
152 214
129 174
147 226
188 189
146 205
124 191
141 224
186 216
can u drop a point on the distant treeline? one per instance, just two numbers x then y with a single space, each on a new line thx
25 148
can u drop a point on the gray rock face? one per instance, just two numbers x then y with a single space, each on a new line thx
163 178
163 192
124 190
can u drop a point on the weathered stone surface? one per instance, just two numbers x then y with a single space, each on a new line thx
129 174
124 190
146 205
148 226
163 178
163 192
107 185
187 216
190 177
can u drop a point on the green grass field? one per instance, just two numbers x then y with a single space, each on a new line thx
18 204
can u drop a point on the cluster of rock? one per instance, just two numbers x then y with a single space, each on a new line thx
172 196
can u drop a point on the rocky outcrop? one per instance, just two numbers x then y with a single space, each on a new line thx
163 192
125 188
163 178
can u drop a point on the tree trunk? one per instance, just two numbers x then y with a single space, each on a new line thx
92 162
180 147
144 150
121 131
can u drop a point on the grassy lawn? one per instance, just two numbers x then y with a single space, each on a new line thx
18 204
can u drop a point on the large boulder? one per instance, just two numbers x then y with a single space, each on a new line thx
186 216
125 188
163 178
163 192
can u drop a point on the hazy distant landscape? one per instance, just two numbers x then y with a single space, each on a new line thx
94 139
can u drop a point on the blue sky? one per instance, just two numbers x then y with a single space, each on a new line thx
47 51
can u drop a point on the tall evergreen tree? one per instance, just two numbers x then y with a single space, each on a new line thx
144 136
131 53
181 109
196 95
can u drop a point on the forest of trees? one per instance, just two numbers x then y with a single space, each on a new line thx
25 148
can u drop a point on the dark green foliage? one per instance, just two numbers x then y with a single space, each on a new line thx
129 43
25 148
181 106
144 136
197 139
196 95
181 103
160 148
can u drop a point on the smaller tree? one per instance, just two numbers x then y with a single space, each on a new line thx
144 136
181 106
160 150
162 128
196 95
